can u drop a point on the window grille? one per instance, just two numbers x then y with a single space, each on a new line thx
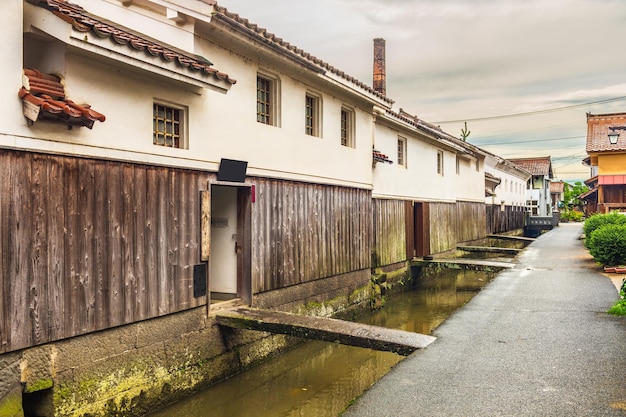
167 126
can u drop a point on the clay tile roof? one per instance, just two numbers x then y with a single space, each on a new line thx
233 18
46 92
536 166
83 21
598 130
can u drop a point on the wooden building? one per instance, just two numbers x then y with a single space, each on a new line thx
164 159
606 150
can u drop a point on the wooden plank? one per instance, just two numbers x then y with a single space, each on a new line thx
38 277
514 238
205 220
463 263
102 262
320 328
489 249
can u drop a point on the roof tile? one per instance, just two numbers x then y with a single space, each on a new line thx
227 16
598 130
536 166
47 93
83 21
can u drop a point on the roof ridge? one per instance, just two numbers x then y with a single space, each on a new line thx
263 32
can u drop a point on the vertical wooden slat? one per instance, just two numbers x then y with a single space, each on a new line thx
102 262
127 235
139 259
153 204
6 254
114 245
20 208
85 246
56 249
38 278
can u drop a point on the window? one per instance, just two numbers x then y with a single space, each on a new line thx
266 100
440 163
402 152
477 165
458 166
347 127
312 115
167 126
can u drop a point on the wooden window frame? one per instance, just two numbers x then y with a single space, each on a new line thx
168 125
312 114
267 99
402 146
440 166
347 133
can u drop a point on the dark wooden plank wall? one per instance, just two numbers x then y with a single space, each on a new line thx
389 234
470 221
451 223
302 232
499 221
88 245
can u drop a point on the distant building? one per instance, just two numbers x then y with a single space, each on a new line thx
606 150
538 196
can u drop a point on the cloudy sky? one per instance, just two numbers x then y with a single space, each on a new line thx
522 73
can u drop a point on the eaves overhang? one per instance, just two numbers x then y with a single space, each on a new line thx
298 56
74 26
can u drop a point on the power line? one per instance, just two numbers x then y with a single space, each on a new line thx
525 141
532 113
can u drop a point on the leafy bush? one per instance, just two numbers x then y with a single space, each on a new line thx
619 308
571 215
598 220
607 244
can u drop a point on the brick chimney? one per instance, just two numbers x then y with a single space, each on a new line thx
379 66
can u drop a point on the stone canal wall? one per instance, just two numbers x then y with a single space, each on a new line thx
134 369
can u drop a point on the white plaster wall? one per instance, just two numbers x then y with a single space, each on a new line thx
220 125
470 182
419 180
11 68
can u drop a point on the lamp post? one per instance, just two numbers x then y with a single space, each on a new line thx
613 134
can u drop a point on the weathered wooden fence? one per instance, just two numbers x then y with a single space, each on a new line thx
451 223
389 234
87 245
302 232
499 221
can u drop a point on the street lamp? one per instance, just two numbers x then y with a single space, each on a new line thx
613 135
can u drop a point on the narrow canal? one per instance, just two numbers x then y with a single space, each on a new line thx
319 378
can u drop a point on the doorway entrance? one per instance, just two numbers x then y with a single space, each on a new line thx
229 266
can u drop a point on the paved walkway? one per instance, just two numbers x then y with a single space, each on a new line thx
535 342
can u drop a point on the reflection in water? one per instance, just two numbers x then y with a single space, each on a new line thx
319 378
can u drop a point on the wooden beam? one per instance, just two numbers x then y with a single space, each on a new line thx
329 330
489 249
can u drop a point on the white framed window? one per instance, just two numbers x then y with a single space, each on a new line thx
312 115
168 125
440 163
347 127
267 99
402 151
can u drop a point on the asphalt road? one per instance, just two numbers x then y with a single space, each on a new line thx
535 342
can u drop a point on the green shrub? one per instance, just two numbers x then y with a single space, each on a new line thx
619 308
598 220
571 215
607 244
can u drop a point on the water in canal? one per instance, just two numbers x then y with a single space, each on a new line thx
319 378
